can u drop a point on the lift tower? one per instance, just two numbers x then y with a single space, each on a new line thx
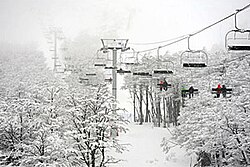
114 45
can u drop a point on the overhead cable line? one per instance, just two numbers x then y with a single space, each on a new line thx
225 18
151 43
185 37
197 32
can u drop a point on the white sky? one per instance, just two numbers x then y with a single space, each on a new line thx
138 20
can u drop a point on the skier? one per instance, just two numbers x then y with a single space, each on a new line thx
224 90
191 91
218 91
183 91
161 85
165 85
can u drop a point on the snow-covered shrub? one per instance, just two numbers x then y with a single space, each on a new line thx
93 127
218 126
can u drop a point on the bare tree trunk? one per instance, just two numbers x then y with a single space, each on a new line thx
169 106
175 114
176 111
158 110
134 100
153 112
147 118
140 105
164 112
93 158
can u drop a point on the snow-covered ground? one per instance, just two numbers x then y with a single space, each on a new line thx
145 149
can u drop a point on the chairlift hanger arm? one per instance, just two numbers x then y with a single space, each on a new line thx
188 39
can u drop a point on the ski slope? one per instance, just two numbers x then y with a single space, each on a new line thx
145 150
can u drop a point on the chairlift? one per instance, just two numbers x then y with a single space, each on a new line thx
100 61
185 92
131 60
162 71
237 39
83 80
108 80
194 58
59 69
142 73
69 67
90 74
110 68
130 64
143 77
165 69
221 90
163 85
67 58
121 71
99 64
145 80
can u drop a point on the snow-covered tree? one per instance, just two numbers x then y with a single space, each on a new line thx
93 127
30 113
216 129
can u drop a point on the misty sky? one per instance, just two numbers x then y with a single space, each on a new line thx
138 20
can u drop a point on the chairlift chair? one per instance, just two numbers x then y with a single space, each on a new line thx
140 70
121 71
69 67
90 74
91 78
99 61
218 91
198 58
109 80
83 80
194 58
143 76
109 67
99 64
163 84
237 39
165 69
131 61
184 92
162 71
141 73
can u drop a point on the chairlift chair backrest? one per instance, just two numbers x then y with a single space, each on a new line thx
194 58
237 39
164 67
100 60
121 71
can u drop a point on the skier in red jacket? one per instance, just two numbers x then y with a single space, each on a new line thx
218 91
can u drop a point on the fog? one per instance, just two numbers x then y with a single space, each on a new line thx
138 20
